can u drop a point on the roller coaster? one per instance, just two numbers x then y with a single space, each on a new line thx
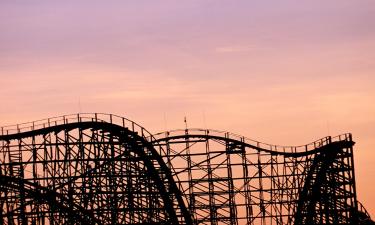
105 169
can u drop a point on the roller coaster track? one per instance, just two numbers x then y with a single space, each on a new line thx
285 186
105 169
111 170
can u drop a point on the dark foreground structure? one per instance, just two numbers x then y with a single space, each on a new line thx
105 169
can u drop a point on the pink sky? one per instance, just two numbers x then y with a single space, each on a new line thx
283 72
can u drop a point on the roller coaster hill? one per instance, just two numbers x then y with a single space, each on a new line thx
105 169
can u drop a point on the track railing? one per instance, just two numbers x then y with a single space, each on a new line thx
279 148
77 118
133 126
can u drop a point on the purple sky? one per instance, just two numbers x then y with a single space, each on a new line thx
283 72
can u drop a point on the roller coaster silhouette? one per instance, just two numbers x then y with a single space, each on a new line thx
105 169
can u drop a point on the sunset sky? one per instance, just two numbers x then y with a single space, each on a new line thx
283 72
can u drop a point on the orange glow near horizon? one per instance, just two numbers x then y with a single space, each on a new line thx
284 73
